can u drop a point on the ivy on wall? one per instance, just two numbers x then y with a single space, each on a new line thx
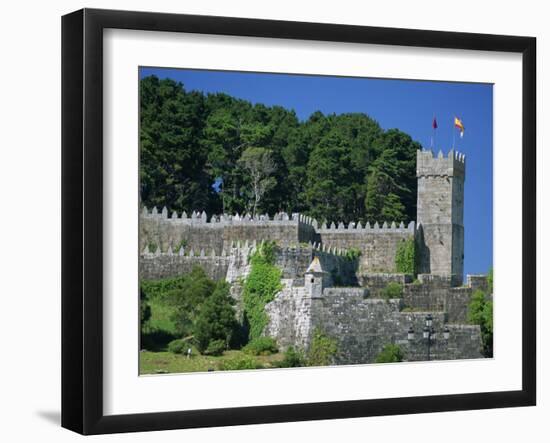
260 287
405 257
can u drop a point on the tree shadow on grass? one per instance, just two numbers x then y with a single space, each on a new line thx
156 340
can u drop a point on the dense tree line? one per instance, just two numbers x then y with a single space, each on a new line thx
222 154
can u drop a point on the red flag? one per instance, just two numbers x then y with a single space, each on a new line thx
434 124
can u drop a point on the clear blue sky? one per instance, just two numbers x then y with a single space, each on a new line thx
404 104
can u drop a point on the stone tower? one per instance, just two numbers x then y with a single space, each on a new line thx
440 213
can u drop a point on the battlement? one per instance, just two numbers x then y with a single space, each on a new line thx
353 228
291 260
429 165
236 248
242 247
219 220
281 218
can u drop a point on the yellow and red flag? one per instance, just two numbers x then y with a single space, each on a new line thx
459 125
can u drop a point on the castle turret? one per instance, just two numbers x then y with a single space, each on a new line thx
314 277
440 213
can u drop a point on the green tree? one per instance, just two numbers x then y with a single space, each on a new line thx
172 159
189 298
330 192
480 312
391 182
224 142
332 167
216 319
490 281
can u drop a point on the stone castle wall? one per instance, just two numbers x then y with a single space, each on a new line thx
290 316
430 293
292 261
155 267
156 230
220 232
347 303
377 244
362 327
363 323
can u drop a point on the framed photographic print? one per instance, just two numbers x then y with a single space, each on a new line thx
269 221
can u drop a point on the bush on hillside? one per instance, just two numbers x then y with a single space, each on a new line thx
261 346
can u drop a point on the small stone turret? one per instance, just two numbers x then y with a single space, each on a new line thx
315 278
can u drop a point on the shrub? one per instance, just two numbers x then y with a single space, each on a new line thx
405 257
177 346
260 287
261 346
154 289
239 362
176 304
480 312
353 253
293 358
216 319
215 347
189 298
322 350
392 290
390 354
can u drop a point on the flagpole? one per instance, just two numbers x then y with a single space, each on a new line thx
454 136
434 127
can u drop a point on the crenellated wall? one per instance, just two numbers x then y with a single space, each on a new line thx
378 244
220 231
291 260
158 230
439 233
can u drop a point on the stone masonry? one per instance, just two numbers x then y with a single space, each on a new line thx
326 287
440 212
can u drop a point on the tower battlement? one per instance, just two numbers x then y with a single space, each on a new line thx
430 165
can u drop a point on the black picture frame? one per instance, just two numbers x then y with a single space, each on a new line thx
82 215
